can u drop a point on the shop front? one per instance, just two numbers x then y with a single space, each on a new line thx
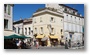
53 40
42 40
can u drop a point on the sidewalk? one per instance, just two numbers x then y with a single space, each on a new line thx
81 47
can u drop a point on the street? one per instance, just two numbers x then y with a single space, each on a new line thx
57 47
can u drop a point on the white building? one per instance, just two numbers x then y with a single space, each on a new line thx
73 22
18 27
28 27
23 27
8 16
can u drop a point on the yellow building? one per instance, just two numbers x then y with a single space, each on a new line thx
48 26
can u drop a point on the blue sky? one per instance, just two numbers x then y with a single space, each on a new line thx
26 10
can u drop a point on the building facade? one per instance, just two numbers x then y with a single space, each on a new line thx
48 25
8 16
28 28
18 27
23 27
73 22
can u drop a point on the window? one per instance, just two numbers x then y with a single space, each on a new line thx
26 31
75 17
61 19
71 19
9 8
67 16
18 30
29 30
71 16
34 20
61 31
40 19
35 30
41 29
52 19
52 30
61 36
65 9
73 12
5 8
14 29
70 36
5 24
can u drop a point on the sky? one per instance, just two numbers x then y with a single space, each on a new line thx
26 10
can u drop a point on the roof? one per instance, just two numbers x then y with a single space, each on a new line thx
52 9
48 10
9 4
17 22
68 7
27 21
78 15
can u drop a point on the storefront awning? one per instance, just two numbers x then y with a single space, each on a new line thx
40 36
54 37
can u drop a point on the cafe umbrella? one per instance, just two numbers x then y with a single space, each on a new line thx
44 39
14 36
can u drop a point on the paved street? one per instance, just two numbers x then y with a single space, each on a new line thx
57 47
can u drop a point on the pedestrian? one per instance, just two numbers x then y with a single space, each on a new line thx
28 45
19 44
34 42
23 45
69 42
54 42
51 43
66 44
37 45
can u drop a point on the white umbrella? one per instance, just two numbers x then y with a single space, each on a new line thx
44 38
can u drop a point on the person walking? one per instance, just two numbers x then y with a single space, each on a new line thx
66 44
37 45
69 43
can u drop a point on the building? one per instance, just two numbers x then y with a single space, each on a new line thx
24 27
8 20
28 28
18 27
48 26
73 22
8 16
